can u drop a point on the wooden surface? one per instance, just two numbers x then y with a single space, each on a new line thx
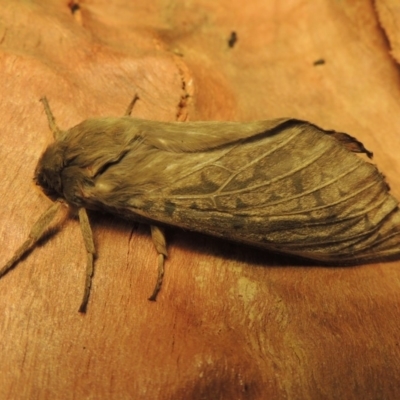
230 322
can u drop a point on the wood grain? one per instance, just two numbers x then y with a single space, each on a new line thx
230 321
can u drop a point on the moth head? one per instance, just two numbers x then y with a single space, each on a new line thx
48 171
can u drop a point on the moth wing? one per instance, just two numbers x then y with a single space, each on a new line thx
291 188
96 143
204 136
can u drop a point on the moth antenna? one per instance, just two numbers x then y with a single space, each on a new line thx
35 234
91 253
159 241
50 118
130 106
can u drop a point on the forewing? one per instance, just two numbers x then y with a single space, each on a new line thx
293 189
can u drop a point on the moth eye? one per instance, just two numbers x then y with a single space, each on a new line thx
50 183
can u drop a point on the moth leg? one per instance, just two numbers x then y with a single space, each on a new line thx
37 231
91 252
130 107
159 241
50 118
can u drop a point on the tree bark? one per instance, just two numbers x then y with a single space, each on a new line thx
230 321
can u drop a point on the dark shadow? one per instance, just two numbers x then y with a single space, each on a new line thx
198 243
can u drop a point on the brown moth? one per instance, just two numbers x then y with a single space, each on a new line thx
284 185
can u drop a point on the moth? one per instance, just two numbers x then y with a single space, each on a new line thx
285 185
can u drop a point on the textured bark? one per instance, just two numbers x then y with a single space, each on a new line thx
230 322
388 13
